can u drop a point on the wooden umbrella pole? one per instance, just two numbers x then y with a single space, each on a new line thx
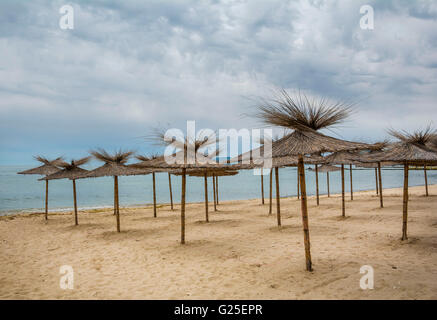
426 181
47 200
117 211
115 199
75 203
405 204
350 174
171 193
278 204
262 187
214 191
183 205
381 200
317 183
206 197
376 180
304 209
271 191
154 195
327 182
343 208
298 185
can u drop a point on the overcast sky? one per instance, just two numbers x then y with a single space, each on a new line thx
128 66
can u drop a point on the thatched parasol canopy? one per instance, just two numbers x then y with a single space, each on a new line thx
306 116
209 173
115 169
70 171
412 149
115 165
404 152
188 155
48 167
326 168
371 165
143 165
308 141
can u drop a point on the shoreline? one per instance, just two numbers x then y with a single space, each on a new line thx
69 210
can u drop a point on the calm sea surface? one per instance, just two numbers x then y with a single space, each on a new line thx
24 193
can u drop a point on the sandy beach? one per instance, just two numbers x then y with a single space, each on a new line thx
239 254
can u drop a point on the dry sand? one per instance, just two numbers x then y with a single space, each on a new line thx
239 254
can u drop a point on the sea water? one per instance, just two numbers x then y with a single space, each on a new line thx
24 193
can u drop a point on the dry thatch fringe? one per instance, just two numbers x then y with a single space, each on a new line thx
74 163
182 143
158 137
146 158
433 142
119 157
420 137
378 146
45 161
300 112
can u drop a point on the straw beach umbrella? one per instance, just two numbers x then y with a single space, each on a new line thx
184 167
344 158
328 168
115 166
305 116
48 167
411 149
371 166
187 154
255 159
70 171
354 158
144 160
210 173
378 171
249 156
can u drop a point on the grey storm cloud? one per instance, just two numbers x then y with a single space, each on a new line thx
129 66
